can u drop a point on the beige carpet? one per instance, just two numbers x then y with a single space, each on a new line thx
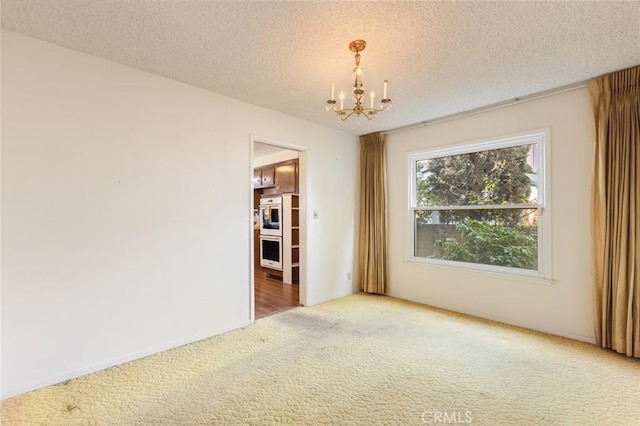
358 360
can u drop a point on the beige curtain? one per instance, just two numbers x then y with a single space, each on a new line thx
372 261
615 210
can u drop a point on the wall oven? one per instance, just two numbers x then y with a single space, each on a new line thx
271 252
270 216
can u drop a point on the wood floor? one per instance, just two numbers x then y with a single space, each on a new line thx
272 295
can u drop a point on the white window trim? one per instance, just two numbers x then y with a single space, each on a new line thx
542 137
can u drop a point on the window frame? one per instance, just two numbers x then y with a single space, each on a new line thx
539 137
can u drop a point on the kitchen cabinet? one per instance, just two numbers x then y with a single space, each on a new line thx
264 177
286 177
290 239
281 176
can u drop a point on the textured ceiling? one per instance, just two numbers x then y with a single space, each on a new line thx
440 58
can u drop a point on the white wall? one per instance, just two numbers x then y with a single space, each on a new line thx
563 307
126 212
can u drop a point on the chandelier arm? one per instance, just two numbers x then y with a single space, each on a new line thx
342 115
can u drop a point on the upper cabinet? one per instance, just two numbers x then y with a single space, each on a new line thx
281 176
286 177
264 177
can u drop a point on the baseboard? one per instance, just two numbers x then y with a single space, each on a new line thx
72 374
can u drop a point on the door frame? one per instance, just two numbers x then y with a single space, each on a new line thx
302 191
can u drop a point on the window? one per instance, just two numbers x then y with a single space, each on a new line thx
481 206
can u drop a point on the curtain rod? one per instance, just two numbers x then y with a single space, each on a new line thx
491 107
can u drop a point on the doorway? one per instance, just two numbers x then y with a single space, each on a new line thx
278 230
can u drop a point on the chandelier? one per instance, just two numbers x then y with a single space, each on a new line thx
370 112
